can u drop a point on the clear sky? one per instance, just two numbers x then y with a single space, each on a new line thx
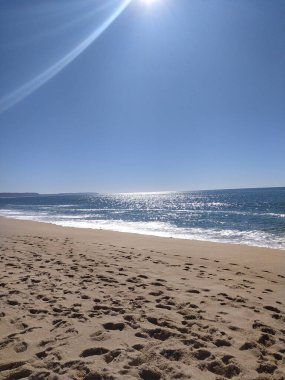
170 95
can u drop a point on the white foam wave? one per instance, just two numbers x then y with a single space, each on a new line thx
182 211
41 216
155 228
163 229
277 215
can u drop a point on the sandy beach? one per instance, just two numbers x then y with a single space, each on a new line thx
91 304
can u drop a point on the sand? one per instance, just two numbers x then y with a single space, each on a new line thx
89 304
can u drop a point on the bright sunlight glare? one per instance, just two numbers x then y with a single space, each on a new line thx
148 2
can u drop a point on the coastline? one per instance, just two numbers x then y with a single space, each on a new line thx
85 302
146 235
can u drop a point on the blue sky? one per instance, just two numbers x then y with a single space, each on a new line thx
176 95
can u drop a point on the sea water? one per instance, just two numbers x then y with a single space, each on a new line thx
253 217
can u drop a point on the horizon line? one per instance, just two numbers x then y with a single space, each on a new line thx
140 192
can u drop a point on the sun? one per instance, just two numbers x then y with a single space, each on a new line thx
148 2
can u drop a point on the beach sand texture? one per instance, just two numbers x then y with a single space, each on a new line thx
87 304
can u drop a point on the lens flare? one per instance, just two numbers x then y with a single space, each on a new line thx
29 87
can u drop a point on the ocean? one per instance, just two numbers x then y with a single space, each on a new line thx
254 217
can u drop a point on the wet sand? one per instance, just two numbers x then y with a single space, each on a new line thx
91 304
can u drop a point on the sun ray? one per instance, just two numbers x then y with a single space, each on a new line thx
39 80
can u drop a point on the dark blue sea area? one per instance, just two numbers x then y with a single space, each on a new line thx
253 217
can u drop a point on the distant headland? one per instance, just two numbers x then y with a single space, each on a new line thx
13 195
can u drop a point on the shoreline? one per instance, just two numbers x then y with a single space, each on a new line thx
144 234
91 304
